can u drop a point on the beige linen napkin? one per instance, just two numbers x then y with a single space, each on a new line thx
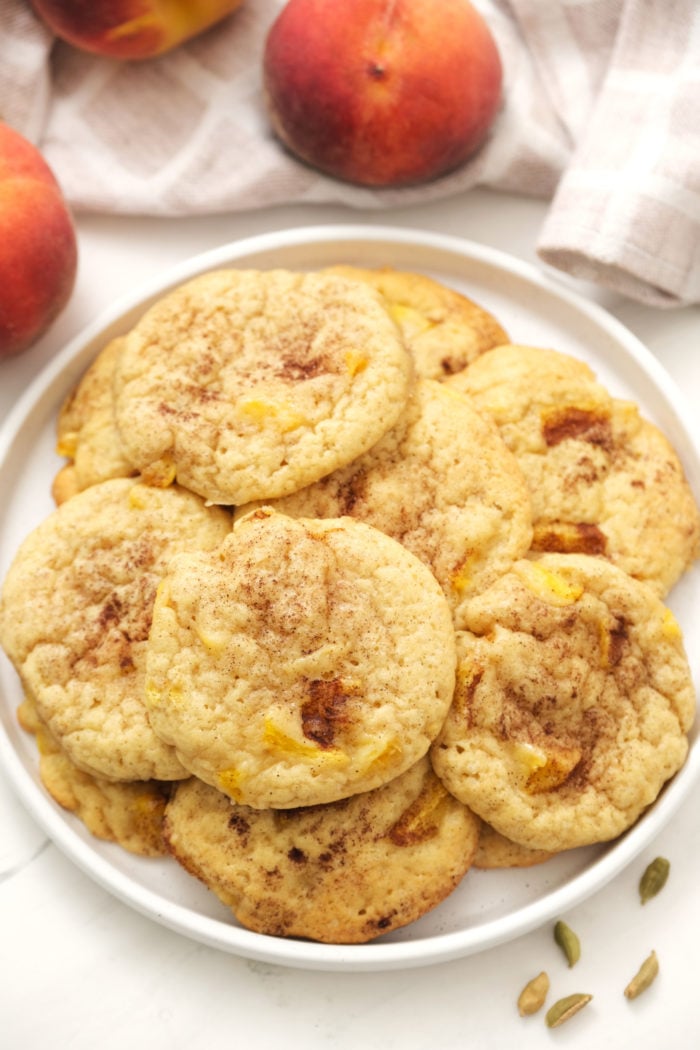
626 212
187 133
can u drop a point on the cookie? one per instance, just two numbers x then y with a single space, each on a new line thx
129 814
248 385
496 851
651 520
443 329
342 873
75 614
86 432
301 662
28 717
603 480
443 484
573 703
65 484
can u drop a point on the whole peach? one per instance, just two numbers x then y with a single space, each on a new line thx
38 248
382 92
127 29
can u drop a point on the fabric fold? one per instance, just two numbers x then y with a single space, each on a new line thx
627 210
599 118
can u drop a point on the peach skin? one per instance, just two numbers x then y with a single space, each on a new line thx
382 92
130 29
38 248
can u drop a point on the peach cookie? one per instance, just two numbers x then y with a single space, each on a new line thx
443 329
86 432
128 813
573 703
75 614
603 480
250 384
342 873
441 482
495 851
302 662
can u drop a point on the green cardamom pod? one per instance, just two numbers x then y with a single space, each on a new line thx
644 976
568 942
654 879
533 995
565 1008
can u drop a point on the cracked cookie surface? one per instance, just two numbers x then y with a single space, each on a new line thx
301 662
572 706
86 433
603 479
443 484
248 385
443 329
342 873
76 610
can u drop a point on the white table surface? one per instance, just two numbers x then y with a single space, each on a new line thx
79 969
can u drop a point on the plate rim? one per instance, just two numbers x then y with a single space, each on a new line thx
375 955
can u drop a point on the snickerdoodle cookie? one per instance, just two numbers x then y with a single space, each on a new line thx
603 479
495 851
128 813
341 873
301 662
75 613
442 483
573 703
248 384
86 432
443 329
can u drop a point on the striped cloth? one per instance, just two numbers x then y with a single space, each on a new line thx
601 118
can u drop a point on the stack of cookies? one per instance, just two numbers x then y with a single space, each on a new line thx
345 594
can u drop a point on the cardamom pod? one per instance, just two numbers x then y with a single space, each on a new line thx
565 1008
568 942
644 976
533 995
654 878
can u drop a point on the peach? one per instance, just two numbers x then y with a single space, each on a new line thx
130 29
38 248
382 92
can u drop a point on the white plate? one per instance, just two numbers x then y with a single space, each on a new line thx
488 907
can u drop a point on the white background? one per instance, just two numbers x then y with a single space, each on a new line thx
79 970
